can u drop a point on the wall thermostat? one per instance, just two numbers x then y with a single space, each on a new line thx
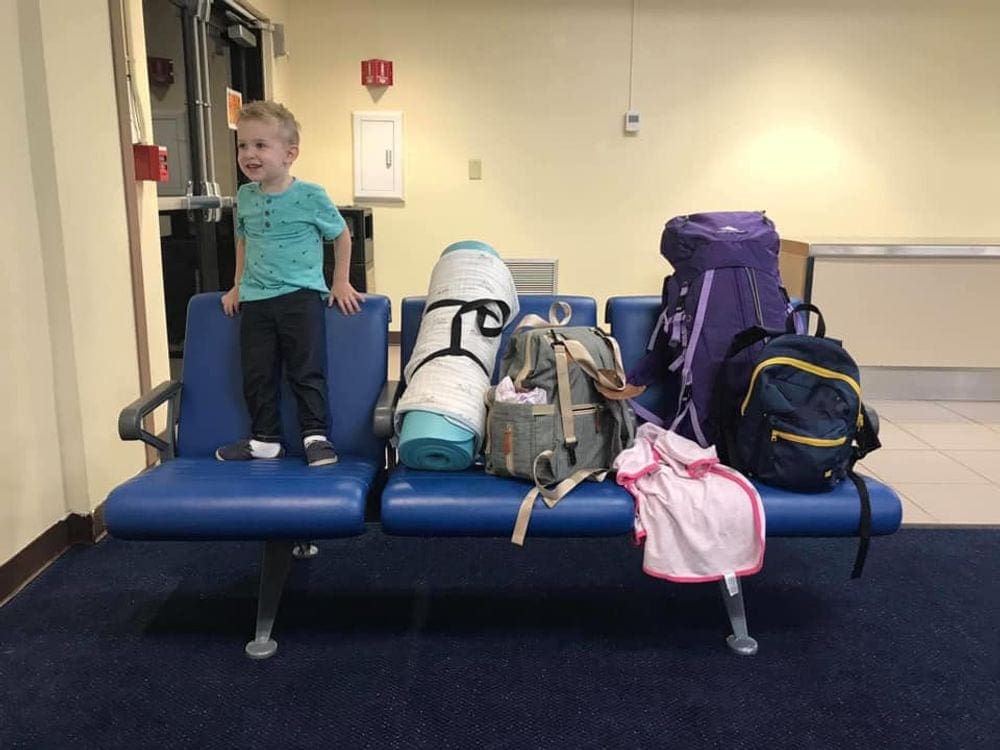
632 121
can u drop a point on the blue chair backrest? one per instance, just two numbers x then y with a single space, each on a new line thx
631 320
584 314
213 411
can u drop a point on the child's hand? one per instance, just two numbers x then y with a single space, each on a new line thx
348 298
231 301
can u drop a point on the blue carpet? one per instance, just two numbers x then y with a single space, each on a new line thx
419 643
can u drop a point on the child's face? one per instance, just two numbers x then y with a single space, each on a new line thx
263 152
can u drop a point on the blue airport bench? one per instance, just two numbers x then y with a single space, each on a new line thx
473 503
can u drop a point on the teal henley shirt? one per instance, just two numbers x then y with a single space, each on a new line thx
284 235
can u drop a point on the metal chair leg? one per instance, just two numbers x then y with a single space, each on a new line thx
740 640
304 551
274 569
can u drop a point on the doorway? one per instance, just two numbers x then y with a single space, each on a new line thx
198 52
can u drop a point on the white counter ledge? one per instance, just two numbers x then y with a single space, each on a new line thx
921 316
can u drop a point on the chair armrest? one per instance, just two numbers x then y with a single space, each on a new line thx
131 417
385 407
873 419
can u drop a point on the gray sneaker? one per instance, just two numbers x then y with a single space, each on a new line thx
321 453
241 451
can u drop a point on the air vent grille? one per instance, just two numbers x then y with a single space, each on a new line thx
534 276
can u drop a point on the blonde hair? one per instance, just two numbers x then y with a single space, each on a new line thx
273 112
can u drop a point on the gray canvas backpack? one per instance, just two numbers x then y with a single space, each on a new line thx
584 424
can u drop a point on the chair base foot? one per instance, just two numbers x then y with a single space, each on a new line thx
262 649
744 646
304 551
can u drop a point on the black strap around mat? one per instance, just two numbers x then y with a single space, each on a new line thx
483 312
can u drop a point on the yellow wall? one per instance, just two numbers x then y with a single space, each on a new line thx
69 340
94 237
850 119
31 492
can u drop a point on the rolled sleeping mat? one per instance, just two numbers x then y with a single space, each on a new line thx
441 417
432 441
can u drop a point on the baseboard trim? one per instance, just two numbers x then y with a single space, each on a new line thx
27 564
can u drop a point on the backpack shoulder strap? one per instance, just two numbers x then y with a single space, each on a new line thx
749 337
610 379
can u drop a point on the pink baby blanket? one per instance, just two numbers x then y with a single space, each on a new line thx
699 520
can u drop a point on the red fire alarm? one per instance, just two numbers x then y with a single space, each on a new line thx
150 162
376 72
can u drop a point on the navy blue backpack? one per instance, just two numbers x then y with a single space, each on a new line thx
800 422
725 280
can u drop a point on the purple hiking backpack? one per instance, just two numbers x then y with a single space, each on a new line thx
725 280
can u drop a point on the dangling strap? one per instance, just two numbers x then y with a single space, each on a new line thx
523 516
867 441
685 404
865 524
662 326
550 495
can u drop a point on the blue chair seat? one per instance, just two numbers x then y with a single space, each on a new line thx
474 503
835 513
202 498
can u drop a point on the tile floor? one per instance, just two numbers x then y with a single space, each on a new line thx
942 457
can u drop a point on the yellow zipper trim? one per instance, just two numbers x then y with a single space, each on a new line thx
808 367
818 442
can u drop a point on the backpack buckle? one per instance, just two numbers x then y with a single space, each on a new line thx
571 449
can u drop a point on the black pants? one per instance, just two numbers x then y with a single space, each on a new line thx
285 330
